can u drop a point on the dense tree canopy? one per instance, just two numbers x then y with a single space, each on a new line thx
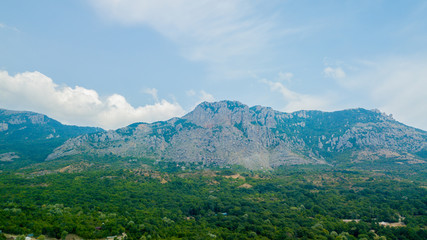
292 203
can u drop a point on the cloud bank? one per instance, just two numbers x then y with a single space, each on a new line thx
37 92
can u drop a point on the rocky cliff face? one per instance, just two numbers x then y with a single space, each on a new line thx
34 135
229 132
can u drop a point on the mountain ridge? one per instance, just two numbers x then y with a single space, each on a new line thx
32 136
229 132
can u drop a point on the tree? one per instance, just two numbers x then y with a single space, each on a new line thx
41 237
64 234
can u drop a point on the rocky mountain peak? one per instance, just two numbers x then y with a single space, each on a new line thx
22 117
213 114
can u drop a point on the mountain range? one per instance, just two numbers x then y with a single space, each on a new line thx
231 133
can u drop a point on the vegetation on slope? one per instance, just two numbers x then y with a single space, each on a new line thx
167 202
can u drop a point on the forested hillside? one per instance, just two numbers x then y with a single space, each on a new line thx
93 200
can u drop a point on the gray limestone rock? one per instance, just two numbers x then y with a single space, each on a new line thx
229 132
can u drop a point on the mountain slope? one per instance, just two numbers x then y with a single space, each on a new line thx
33 136
228 132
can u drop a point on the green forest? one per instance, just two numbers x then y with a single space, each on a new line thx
171 201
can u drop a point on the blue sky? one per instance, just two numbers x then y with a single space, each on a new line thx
110 63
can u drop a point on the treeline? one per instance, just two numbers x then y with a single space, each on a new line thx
304 204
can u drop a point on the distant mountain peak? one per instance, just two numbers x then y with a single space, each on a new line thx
19 117
217 106
34 135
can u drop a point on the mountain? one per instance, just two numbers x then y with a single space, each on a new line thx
229 132
32 136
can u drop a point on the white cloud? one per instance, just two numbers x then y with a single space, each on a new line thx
202 96
190 93
287 76
37 92
297 101
335 73
222 33
397 86
153 92
4 26
206 97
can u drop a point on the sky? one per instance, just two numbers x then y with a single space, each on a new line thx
110 63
